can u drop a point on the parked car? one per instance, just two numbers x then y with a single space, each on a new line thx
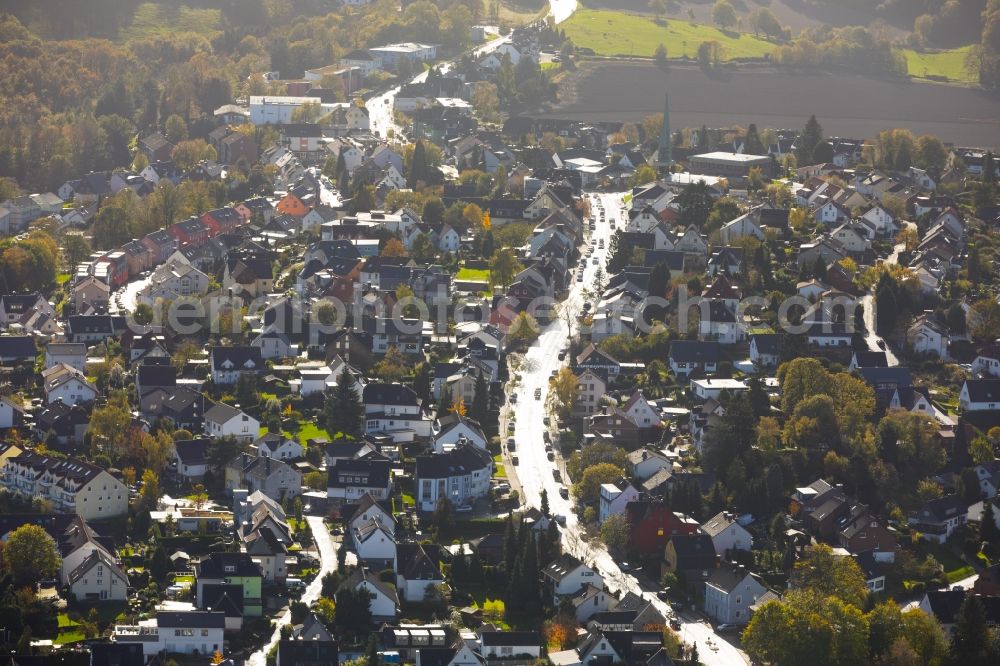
559 518
550 455
463 508
675 624
726 628
557 475
564 492
538 394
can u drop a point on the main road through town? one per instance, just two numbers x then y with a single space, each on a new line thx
536 472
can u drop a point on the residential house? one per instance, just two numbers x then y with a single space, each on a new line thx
222 420
274 478
90 568
730 591
90 293
225 568
394 410
418 571
614 499
461 476
384 604
507 645
67 385
590 389
765 349
691 555
645 462
73 354
349 480
687 357
980 394
451 430
727 534
926 335
178 632
307 652
190 458
566 575
71 485
227 363
651 525
938 518
375 544
275 445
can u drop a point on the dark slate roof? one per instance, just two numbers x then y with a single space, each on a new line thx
941 509
376 473
434 656
871 359
148 375
214 565
307 653
983 390
192 451
238 356
694 351
767 343
17 346
378 393
194 619
460 461
116 654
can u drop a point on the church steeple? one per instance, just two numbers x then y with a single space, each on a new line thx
665 151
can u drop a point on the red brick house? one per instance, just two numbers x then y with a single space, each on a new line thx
652 523
221 220
190 232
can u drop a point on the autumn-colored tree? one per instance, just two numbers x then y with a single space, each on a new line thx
458 407
393 248
30 554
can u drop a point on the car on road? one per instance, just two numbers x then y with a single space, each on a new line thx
564 492
463 508
726 628
675 624
550 455
559 518
579 278
513 397
663 595
514 460
502 487
881 344
557 475
546 437
538 394
595 261
546 420
562 355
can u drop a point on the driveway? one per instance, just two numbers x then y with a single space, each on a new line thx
327 548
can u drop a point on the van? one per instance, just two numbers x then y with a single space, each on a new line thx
295 584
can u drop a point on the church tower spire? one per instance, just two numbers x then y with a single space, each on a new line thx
664 153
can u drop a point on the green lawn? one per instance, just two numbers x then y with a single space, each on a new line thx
307 431
940 64
501 471
152 19
65 622
613 33
473 274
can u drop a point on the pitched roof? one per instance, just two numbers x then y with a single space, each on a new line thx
562 567
694 351
983 390
460 461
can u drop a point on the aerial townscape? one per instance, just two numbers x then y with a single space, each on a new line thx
500 332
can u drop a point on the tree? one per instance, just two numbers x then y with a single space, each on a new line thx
931 153
30 554
984 320
695 204
925 636
418 166
724 14
109 426
175 129
371 652
563 391
808 140
150 493
587 489
187 154
971 642
805 626
594 454
523 329
660 57
753 145
644 174
504 267
825 573
763 20
988 530
343 410
393 248
615 532
822 153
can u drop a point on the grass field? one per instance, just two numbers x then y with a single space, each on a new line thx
940 64
611 33
473 274
153 19
615 33
512 13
